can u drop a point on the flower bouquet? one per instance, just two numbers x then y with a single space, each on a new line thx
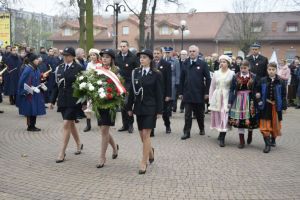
102 87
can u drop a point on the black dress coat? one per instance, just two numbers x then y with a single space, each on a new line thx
150 100
194 81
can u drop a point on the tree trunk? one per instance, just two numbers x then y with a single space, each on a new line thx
89 25
81 19
142 25
152 25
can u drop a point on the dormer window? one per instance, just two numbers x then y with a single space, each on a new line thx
67 32
291 27
165 30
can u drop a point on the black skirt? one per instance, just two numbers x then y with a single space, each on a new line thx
105 118
69 113
146 121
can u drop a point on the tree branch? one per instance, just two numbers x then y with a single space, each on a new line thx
135 13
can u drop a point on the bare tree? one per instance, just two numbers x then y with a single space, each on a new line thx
246 25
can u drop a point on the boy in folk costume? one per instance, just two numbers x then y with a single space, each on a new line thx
271 95
242 114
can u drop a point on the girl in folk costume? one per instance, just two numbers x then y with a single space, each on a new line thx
271 95
242 114
219 96
30 100
106 121
93 64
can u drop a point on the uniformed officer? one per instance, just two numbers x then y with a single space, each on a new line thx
258 63
165 68
258 66
146 101
175 75
194 86
127 62
63 91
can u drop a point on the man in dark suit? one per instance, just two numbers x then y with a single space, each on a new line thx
127 62
165 68
258 63
194 87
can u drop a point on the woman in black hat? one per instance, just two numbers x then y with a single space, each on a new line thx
65 76
30 100
146 101
105 121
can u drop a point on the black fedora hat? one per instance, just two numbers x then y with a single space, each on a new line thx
147 52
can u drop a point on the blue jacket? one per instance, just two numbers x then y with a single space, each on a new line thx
11 76
30 104
279 91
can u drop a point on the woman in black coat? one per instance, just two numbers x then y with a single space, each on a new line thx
146 102
67 104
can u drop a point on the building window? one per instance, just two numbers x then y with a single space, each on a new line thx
256 29
292 27
274 26
164 30
67 32
125 30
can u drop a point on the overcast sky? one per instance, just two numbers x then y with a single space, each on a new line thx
50 6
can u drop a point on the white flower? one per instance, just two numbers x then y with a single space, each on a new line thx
99 82
82 85
102 95
91 88
81 78
101 90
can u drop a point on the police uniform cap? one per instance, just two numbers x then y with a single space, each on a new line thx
146 52
69 51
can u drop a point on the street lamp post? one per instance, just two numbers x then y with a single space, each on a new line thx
117 10
184 31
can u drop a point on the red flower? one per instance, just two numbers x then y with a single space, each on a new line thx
109 96
109 90
109 81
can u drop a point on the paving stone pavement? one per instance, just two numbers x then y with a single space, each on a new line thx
193 169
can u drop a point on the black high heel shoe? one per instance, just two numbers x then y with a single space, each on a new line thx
100 165
79 151
143 171
151 160
62 160
114 156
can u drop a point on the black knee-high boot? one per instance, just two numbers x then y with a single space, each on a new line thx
249 139
242 141
88 125
222 139
267 148
273 141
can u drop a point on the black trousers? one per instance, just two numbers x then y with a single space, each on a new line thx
198 109
126 119
181 105
167 112
31 121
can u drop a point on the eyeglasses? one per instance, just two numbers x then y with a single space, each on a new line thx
192 51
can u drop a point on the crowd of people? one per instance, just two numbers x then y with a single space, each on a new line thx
244 93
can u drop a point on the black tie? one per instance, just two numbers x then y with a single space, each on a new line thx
123 58
193 62
144 72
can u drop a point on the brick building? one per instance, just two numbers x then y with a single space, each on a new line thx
209 30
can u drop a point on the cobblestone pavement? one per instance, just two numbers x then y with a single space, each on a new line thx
193 169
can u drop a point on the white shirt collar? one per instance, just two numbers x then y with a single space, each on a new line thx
147 70
245 76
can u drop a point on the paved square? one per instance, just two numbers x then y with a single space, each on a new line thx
193 169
